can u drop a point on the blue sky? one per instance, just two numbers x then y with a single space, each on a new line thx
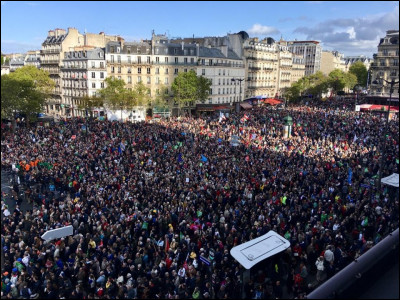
351 27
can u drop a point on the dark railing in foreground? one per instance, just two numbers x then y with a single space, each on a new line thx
351 274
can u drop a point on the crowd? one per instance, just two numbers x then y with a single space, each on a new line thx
146 200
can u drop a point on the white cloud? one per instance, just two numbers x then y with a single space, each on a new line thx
357 34
259 29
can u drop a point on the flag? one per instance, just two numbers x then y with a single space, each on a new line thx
166 244
122 145
221 116
203 158
350 175
355 138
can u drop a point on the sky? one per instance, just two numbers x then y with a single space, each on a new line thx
350 27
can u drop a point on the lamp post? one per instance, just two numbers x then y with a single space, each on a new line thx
240 92
356 89
392 83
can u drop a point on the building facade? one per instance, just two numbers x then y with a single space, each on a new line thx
83 73
58 42
386 65
332 60
349 60
311 52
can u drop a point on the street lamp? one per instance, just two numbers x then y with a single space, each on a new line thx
240 92
392 83
356 89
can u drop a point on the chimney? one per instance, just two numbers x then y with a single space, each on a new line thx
224 50
183 45
51 33
197 49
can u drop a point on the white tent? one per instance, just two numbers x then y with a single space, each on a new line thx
392 180
252 252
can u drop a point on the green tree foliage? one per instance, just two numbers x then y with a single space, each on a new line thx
319 84
41 78
203 88
141 95
337 80
161 98
20 96
360 71
88 103
114 95
185 88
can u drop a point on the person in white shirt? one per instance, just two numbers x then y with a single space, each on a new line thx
320 268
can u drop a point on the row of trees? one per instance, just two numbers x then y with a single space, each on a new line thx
26 90
337 80
186 88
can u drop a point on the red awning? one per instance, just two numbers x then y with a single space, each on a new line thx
272 101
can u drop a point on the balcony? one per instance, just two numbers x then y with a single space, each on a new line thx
50 51
49 62
254 68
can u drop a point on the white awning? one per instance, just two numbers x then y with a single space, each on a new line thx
392 180
252 252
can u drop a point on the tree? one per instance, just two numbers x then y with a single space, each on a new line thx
351 80
319 84
185 88
41 78
203 88
142 95
20 96
360 71
337 80
161 98
25 91
88 103
113 94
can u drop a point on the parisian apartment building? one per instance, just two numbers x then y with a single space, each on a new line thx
310 51
331 60
386 65
239 67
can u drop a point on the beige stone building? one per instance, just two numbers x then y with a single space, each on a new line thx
310 51
331 60
55 45
386 64
270 67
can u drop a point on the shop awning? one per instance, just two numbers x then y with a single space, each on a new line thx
246 105
272 101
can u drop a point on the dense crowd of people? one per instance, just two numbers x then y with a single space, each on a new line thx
146 200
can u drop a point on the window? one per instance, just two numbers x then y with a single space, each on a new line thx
219 81
101 74
94 85
119 77
166 80
185 70
203 72
139 70
185 60
129 51
192 60
139 59
148 80
176 59
93 64
203 61
157 70
166 71
210 92
166 59
219 91
148 59
119 69
157 80
176 71
102 65
139 79
112 58
223 72
112 50
157 59
129 60
129 70
148 70
129 79
119 59
93 75
166 91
